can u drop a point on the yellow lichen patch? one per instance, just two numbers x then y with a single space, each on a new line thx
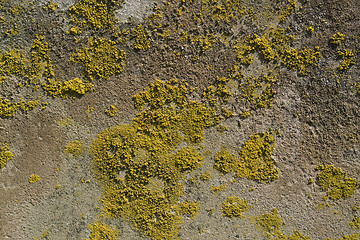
298 236
255 161
147 152
335 183
259 92
234 207
8 109
5 155
355 223
187 158
337 38
347 59
100 231
289 9
218 189
34 178
51 6
141 38
68 89
225 161
309 29
111 110
300 60
205 176
101 59
270 223
354 236
74 148
189 209
94 13
224 10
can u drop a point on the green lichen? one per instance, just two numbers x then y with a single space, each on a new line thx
337 38
234 207
111 110
74 149
101 59
34 178
355 223
270 224
100 231
5 156
335 183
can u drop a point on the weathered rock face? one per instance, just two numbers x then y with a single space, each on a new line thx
191 119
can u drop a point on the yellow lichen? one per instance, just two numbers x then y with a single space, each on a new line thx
190 209
225 162
74 148
5 155
34 178
355 223
335 183
337 38
255 161
141 41
100 231
347 60
111 110
234 207
101 59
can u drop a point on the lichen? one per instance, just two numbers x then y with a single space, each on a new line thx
337 38
355 223
111 110
141 38
101 59
347 60
225 161
74 149
255 161
5 156
34 178
189 209
270 223
100 231
335 183
147 151
234 207
298 236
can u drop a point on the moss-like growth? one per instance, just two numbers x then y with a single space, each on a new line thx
205 176
34 178
225 161
100 231
190 209
218 189
51 6
101 59
355 223
74 148
255 161
234 207
288 10
335 183
5 156
337 38
111 110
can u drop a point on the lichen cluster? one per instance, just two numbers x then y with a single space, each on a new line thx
111 110
101 59
355 223
334 181
129 160
34 178
5 156
254 161
101 231
234 207
347 59
74 149
337 39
